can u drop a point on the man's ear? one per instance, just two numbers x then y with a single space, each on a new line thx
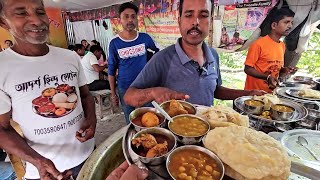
179 19
273 25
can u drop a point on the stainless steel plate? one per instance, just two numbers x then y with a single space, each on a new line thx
281 92
295 93
289 141
300 111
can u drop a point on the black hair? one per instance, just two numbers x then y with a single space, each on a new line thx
280 14
77 47
83 40
95 48
128 5
1 6
71 47
96 42
181 4
8 41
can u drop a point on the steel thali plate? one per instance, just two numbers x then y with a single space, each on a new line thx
300 111
294 92
289 141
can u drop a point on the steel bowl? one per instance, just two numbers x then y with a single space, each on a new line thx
165 105
140 111
189 139
279 115
161 131
257 110
198 148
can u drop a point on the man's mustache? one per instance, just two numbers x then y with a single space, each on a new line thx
195 28
37 28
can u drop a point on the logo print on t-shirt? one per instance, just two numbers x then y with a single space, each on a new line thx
132 51
55 102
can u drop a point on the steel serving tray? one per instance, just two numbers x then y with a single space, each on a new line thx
300 111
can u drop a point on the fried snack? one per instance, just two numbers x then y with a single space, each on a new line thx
268 100
49 92
158 150
222 116
146 140
309 93
250 154
60 111
150 119
176 108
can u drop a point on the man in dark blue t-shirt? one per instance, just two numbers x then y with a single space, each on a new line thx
127 55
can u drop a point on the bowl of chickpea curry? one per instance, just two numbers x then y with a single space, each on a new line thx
194 162
189 129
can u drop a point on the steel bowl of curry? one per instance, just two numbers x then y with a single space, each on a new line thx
281 112
188 128
153 145
178 107
146 117
253 106
194 162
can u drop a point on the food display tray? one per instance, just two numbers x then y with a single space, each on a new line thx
300 111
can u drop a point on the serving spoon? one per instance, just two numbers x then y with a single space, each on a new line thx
163 112
303 142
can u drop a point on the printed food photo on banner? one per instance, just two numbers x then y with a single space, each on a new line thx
152 6
56 101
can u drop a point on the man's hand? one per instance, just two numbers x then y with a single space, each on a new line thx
162 94
114 99
87 130
126 172
257 93
272 82
48 171
288 70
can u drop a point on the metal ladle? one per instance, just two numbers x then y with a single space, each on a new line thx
164 113
303 142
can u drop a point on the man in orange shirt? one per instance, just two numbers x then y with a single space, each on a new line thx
265 59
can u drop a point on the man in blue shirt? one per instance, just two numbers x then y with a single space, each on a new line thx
127 55
187 70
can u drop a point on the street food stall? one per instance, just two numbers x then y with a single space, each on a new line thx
277 134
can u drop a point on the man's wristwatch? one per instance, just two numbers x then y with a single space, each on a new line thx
268 77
